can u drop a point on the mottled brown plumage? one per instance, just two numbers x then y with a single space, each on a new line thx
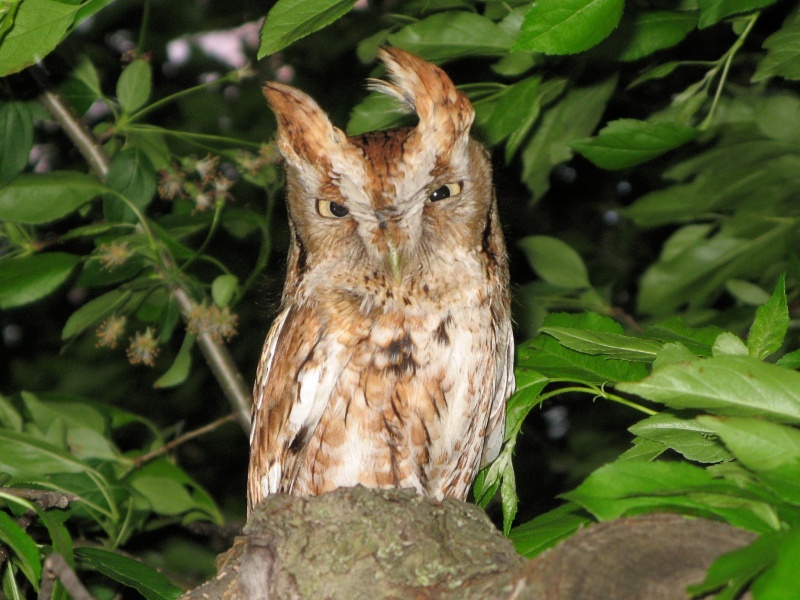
390 362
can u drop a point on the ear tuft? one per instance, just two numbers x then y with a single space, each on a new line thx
305 134
445 114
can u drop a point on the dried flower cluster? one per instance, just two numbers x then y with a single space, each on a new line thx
113 255
110 331
143 348
220 323
199 180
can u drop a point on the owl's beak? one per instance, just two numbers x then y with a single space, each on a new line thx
394 263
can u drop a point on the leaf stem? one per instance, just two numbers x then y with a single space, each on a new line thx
597 392
727 60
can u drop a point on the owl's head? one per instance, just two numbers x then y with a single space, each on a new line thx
397 202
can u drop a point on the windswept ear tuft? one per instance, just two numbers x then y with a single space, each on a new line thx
305 134
445 114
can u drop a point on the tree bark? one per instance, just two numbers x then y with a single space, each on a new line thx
356 543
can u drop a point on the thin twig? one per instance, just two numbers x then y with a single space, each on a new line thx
55 567
44 498
182 439
217 355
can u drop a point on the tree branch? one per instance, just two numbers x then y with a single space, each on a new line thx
217 355
182 439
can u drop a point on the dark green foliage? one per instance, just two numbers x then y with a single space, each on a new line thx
646 159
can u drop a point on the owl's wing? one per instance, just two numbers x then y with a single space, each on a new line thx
297 375
495 429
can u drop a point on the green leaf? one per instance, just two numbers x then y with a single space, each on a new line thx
223 288
726 385
9 416
131 175
547 356
643 450
555 261
607 344
73 414
453 34
790 360
290 20
93 312
627 142
30 278
25 455
45 197
734 570
508 497
650 31
149 582
780 580
700 271
376 111
684 435
23 548
573 117
545 531
82 89
180 368
783 56
758 444
568 26
746 292
529 385
39 26
16 139
134 86
698 340
658 72
548 91
729 344
771 323
713 11
631 487
517 108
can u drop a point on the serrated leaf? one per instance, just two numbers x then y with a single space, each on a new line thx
555 261
609 345
725 385
39 26
93 312
627 142
73 414
16 139
568 26
631 487
27 456
758 444
291 20
134 86
452 34
684 435
148 582
771 323
650 31
713 11
30 278
45 197
642 450
376 111
529 385
547 356
697 339
671 353
545 531
783 51
23 548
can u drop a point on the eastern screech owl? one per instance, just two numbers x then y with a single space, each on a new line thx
390 362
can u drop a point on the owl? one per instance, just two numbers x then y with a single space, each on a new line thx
391 359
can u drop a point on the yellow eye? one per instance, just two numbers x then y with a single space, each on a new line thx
448 190
326 208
